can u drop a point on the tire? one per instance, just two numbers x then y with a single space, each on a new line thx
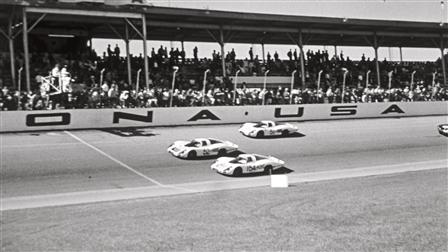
268 169
222 152
238 171
260 134
192 154
285 133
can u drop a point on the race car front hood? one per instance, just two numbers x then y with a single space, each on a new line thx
247 128
222 164
177 147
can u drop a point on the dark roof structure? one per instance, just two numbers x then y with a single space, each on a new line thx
177 24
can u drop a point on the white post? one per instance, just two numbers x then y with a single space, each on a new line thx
390 79
292 85
318 79
60 81
433 83
101 76
401 56
137 84
19 84
176 68
203 87
412 80
264 85
343 84
235 85
367 78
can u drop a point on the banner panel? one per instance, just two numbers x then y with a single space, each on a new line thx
15 121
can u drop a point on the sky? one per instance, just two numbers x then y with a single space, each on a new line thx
409 10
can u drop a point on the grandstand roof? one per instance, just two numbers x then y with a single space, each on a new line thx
179 24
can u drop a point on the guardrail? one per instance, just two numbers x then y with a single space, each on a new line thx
16 121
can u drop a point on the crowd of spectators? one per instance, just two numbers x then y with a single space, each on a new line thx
91 81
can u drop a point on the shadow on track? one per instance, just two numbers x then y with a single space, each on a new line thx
282 170
231 154
130 132
292 135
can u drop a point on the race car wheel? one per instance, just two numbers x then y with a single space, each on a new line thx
238 171
260 134
285 133
222 152
192 154
268 169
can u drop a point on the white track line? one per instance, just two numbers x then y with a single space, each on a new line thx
73 198
115 160
125 165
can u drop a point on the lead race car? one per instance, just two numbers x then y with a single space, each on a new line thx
267 128
443 129
246 163
201 147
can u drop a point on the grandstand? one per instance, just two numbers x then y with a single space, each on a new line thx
38 34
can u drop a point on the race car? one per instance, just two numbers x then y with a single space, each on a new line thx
246 163
267 128
200 147
443 129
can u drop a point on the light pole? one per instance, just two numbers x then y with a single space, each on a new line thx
343 83
318 79
101 76
234 86
137 85
367 78
176 68
204 83
433 83
412 79
390 79
264 85
292 85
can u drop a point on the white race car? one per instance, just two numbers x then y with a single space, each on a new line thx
267 128
246 163
201 147
443 129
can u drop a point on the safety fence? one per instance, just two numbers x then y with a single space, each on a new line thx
16 121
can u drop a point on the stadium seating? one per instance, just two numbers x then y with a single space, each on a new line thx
101 81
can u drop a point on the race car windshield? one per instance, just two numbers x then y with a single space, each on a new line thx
193 144
238 161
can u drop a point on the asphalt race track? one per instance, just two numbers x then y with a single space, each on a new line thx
41 165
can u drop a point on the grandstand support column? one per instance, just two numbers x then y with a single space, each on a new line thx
442 48
221 44
26 51
128 58
401 55
262 52
11 52
145 51
302 59
377 65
